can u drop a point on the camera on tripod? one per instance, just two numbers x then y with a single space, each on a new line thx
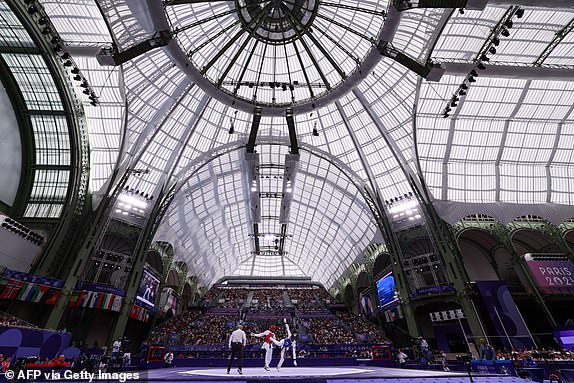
464 358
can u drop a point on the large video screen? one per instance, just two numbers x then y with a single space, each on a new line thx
169 300
147 289
386 290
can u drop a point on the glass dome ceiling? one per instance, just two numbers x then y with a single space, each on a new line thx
276 53
504 150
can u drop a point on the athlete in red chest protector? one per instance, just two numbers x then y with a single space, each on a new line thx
268 337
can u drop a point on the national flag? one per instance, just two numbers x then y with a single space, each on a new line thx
73 302
98 300
134 312
93 299
23 291
85 298
52 296
107 301
104 301
42 289
79 296
117 305
12 289
31 295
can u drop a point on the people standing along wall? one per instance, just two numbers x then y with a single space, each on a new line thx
402 358
486 350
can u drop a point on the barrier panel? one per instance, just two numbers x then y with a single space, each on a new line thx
155 353
22 342
501 367
381 352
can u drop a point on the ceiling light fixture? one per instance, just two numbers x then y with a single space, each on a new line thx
520 13
315 131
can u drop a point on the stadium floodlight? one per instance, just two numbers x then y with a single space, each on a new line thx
132 201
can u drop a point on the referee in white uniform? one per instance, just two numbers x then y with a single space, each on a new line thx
237 341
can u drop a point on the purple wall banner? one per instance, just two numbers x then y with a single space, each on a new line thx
31 278
99 288
327 348
502 314
553 276
367 307
431 290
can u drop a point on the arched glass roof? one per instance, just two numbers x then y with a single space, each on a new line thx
504 148
42 109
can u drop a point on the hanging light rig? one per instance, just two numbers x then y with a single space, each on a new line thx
232 123
489 48
59 47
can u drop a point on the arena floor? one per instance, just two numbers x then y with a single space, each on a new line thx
335 374
321 375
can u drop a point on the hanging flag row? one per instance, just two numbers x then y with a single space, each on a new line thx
32 288
139 313
14 289
96 300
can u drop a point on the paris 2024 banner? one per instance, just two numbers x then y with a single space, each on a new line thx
553 276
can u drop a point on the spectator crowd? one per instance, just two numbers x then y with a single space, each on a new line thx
191 327
330 331
536 355
303 298
309 317
360 325
268 298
